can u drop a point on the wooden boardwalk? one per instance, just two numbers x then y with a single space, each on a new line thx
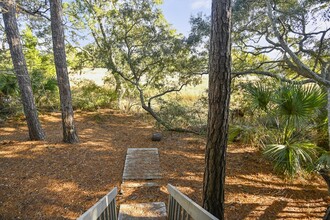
142 164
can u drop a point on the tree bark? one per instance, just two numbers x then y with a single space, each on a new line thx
328 113
20 68
328 104
69 130
219 96
119 90
327 214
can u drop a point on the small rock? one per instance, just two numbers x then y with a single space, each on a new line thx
156 136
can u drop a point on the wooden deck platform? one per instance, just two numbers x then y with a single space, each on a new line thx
142 164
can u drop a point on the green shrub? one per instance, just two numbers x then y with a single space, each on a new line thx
89 96
244 134
45 90
183 113
9 95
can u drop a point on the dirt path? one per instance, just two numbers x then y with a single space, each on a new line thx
52 180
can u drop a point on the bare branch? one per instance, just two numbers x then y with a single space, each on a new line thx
166 92
35 13
320 50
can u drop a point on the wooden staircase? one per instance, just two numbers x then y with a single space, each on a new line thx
143 164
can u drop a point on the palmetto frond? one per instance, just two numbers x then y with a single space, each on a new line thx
260 94
291 158
299 102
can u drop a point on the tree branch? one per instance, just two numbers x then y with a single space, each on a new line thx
166 92
269 74
302 67
34 13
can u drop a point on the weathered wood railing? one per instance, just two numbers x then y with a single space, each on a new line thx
104 209
180 207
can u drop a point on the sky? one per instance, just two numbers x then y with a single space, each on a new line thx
178 12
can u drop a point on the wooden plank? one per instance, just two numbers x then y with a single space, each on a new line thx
185 215
131 184
152 150
170 207
192 208
178 212
97 210
142 164
150 211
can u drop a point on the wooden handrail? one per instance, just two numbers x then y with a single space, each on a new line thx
105 207
181 207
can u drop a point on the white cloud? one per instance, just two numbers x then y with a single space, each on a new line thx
201 4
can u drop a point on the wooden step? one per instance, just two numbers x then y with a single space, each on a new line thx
132 184
147 211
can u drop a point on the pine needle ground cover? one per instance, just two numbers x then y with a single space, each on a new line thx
52 180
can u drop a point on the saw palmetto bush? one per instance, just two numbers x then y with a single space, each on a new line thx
288 116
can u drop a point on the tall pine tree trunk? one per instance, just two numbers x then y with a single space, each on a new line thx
20 68
328 111
69 130
327 73
219 96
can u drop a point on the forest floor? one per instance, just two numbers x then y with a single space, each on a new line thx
52 180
